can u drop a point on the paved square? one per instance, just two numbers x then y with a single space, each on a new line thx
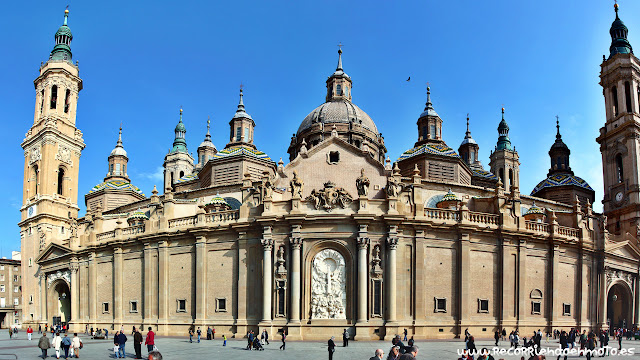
180 348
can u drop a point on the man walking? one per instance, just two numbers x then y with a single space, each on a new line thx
405 334
122 339
44 345
150 340
497 336
208 332
332 347
266 336
345 338
29 332
284 337
224 339
190 334
66 344
137 344
199 332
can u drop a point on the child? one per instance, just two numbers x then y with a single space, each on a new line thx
224 337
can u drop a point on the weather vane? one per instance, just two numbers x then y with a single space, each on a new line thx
340 46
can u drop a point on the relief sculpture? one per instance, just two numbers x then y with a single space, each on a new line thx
328 286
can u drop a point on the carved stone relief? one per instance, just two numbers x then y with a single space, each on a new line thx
328 286
35 155
65 275
614 275
64 154
330 197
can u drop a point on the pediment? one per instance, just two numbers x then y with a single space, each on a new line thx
625 249
53 251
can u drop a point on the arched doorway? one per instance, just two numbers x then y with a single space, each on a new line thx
619 302
60 309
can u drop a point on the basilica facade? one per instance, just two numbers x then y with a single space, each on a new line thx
340 236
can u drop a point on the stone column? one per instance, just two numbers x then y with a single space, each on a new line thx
163 284
201 280
148 289
392 241
117 285
363 245
296 244
556 306
602 298
464 276
75 293
43 298
267 244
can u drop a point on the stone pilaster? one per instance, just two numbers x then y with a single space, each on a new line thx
267 271
523 297
392 242
150 285
363 245
163 288
556 306
464 275
117 286
201 280
75 295
602 299
43 297
93 289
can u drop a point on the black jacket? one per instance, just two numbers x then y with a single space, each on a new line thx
332 345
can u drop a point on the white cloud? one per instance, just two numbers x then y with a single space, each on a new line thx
156 176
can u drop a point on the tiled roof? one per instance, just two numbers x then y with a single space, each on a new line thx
116 185
187 178
484 173
561 180
237 150
436 149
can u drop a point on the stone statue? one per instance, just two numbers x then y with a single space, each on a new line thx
296 186
268 188
362 184
328 286
393 187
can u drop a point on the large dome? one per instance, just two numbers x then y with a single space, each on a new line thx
338 111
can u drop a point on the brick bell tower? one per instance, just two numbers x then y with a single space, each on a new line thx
52 148
620 136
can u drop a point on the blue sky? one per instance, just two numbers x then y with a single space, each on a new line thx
141 60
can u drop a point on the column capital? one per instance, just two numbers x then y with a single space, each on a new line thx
267 243
295 242
363 242
117 250
392 241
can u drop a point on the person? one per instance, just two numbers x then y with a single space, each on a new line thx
591 344
154 355
208 332
199 334
190 334
332 347
471 345
76 344
504 334
116 347
137 344
86 329
40 329
150 340
485 355
394 353
497 336
411 354
29 332
213 333
10 332
345 338
378 355
563 343
57 342
106 333
249 340
224 338
44 344
411 341
284 337
122 339
405 334
66 344
266 336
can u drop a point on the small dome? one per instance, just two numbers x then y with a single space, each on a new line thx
338 111
535 210
64 30
207 144
218 200
118 151
181 127
450 196
138 214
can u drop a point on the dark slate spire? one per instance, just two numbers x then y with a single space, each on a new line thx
619 32
180 143
503 131
559 154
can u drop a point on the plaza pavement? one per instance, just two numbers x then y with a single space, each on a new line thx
180 348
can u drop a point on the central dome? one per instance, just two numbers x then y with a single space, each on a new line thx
338 111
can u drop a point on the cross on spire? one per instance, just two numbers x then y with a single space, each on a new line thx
558 126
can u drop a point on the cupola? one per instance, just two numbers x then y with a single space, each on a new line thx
619 32
63 37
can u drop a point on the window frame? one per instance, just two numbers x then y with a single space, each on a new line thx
480 307
222 300
106 307
132 304
437 309
533 307
180 309
564 309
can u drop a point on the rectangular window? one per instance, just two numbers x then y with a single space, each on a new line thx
15 268
15 288
1 288
282 297
424 132
30 259
221 304
535 307
566 309
15 301
30 299
432 132
133 306
1 277
440 305
377 297
1 267
246 134
117 169
105 307
238 133
182 305
483 305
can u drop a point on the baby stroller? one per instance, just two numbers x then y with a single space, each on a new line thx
256 344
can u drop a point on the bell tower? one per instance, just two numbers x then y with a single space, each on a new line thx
620 136
504 160
52 148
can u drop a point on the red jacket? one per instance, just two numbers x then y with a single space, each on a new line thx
29 330
150 338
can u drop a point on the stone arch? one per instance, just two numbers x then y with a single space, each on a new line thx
59 301
536 294
341 247
619 304
433 201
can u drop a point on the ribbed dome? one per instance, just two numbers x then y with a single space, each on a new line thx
119 151
338 111
64 30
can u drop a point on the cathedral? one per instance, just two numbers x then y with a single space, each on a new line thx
341 236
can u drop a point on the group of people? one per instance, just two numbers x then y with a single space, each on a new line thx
255 343
71 347
398 350
120 340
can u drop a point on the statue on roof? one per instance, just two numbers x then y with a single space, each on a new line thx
296 186
362 184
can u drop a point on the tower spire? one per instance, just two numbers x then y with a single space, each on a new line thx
339 67
619 42
558 127
66 15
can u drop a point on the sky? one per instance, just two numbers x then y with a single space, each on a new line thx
140 61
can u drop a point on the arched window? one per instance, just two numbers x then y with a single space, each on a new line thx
424 133
501 174
202 159
432 131
619 168
627 96
54 96
60 181
66 101
181 174
614 97
35 178
238 134
111 170
338 89
171 178
510 177
41 100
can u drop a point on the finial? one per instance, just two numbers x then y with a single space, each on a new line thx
120 135
66 15
558 126
208 124
503 113
241 103
428 94
339 56
615 7
180 113
467 122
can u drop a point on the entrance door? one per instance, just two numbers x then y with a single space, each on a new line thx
619 306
